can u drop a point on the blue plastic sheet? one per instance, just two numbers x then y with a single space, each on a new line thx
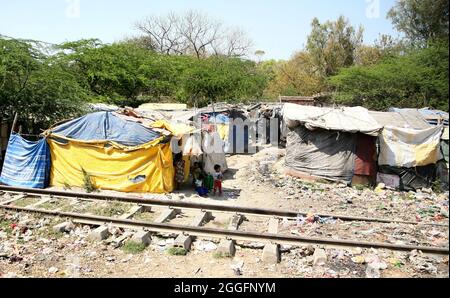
218 118
27 164
104 126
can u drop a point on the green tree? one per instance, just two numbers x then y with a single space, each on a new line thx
415 80
296 76
121 73
421 20
221 79
332 45
37 87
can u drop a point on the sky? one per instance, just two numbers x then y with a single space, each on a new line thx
278 27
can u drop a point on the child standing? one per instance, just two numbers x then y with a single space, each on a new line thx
218 177
179 170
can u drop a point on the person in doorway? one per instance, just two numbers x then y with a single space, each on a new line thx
218 178
179 170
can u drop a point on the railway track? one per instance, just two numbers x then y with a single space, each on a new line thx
198 227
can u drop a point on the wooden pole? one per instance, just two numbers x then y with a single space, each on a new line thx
14 122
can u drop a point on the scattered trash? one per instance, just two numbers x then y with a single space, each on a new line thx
52 270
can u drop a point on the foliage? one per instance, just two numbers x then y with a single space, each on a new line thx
221 79
88 185
177 251
37 87
295 77
418 79
332 45
128 74
421 21
133 247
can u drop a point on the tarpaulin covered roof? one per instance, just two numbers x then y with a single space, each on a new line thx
348 119
433 117
105 126
403 119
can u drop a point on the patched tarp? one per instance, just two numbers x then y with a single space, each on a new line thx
402 147
105 126
27 164
321 153
149 168
118 154
347 119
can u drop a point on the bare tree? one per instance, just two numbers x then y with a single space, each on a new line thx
161 33
193 34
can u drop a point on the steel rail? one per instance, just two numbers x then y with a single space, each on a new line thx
230 234
202 206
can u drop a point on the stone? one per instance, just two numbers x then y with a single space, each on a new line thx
373 271
309 250
271 254
227 247
359 260
53 270
100 233
63 227
142 237
319 257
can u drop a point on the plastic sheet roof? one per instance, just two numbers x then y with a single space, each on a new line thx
348 119
105 126
402 119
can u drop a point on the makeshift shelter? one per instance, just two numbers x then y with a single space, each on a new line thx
433 117
27 164
408 149
324 142
116 153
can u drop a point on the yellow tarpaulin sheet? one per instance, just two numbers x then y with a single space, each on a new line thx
177 129
223 130
148 168
404 147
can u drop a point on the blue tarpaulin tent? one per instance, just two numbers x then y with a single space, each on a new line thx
105 126
27 164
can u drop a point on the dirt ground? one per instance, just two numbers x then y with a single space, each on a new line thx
30 248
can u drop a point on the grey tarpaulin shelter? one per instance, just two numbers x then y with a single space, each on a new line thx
321 142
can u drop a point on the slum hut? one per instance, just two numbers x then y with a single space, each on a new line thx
335 144
409 148
113 152
203 143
